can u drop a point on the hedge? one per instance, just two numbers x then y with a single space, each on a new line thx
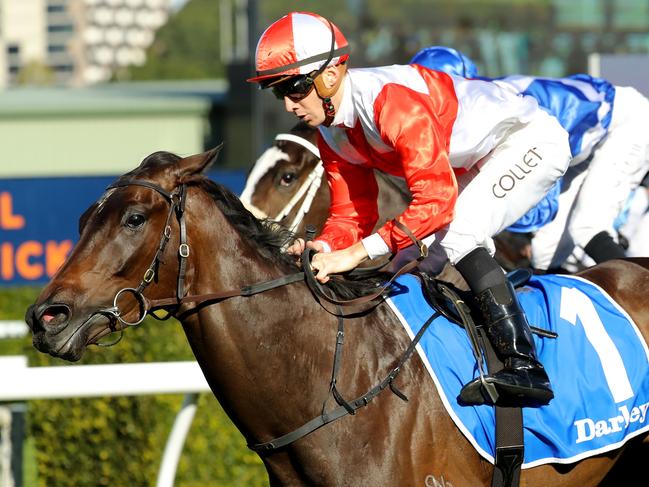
119 441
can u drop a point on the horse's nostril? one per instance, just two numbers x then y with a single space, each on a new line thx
55 315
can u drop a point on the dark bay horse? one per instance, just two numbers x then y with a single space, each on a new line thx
268 355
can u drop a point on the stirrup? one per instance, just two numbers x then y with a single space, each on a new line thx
477 392
480 391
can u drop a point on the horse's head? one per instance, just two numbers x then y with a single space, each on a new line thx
124 238
284 181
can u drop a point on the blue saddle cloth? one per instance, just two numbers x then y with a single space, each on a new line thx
598 367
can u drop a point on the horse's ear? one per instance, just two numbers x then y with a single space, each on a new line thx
199 163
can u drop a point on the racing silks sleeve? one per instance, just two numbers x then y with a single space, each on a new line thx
418 126
353 210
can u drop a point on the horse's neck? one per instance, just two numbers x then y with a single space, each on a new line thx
269 358
245 345
263 352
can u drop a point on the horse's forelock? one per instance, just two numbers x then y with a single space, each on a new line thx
153 166
158 168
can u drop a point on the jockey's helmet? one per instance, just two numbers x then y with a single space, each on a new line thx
446 59
299 43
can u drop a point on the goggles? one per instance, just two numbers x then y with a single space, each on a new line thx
296 88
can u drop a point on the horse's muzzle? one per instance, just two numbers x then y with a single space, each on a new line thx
47 322
49 318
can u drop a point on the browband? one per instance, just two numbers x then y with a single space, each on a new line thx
301 141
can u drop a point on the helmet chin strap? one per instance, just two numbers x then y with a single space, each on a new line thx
326 93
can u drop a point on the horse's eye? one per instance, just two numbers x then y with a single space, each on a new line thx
135 220
288 178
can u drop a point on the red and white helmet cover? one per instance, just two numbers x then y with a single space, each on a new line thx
298 43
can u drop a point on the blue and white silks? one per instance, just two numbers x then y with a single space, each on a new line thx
582 104
598 367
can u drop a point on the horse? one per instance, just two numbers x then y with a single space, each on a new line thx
265 344
286 184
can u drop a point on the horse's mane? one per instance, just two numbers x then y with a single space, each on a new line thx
268 238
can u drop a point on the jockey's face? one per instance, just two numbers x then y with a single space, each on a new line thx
302 100
309 109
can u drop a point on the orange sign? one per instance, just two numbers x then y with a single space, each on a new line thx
30 260
8 220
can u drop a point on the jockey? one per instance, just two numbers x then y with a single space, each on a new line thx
606 126
633 222
475 157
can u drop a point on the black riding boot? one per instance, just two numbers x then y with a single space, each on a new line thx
523 380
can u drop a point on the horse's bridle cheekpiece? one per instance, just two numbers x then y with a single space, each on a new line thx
176 201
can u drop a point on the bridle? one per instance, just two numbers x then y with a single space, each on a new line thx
307 190
177 199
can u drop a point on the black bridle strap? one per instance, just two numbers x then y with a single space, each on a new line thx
183 247
141 182
348 407
244 291
176 205
316 287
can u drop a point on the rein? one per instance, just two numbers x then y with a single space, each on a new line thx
177 200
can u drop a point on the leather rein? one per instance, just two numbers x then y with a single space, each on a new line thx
176 200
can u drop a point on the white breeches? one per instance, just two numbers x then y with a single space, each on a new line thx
598 191
503 186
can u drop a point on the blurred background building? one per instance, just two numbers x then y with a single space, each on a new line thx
79 42
90 87
75 42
